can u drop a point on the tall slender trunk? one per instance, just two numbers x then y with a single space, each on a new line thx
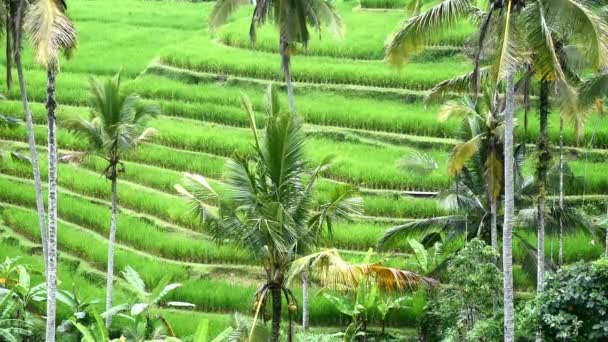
285 65
507 231
544 155
305 300
493 228
276 314
561 190
51 281
9 50
111 240
31 138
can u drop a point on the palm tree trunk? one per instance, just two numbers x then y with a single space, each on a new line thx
507 231
9 56
31 140
276 314
51 281
304 300
543 164
285 65
112 239
493 223
561 190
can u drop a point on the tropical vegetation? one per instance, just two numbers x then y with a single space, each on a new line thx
182 171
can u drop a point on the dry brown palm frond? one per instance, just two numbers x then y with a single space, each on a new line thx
336 274
50 31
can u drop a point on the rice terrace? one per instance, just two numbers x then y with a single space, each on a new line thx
304 170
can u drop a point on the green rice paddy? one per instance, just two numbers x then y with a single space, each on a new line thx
354 106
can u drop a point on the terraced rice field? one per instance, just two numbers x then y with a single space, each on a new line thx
354 106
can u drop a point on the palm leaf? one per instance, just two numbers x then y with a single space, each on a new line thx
586 25
222 10
418 162
419 30
459 85
462 153
50 31
509 56
419 227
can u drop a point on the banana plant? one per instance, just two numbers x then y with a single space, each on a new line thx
143 311
24 294
11 328
8 272
427 260
367 304
96 331
80 308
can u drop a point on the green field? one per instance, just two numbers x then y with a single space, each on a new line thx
354 106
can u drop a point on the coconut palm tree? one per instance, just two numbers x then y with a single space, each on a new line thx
293 19
50 32
270 209
483 140
591 93
117 125
11 19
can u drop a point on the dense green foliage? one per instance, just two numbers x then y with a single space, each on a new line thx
574 303
468 307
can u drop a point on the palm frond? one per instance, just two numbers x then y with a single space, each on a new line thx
418 162
334 273
199 193
458 109
92 130
592 89
50 31
420 227
284 153
222 10
459 85
462 153
419 30
323 13
509 54
584 24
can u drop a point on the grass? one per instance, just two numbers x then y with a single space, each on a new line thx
205 55
132 231
356 43
388 4
221 104
137 198
203 124
91 247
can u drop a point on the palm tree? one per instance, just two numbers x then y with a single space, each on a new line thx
270 209
12 23
51 31
482 140
117 125
293 19
591 92
591 95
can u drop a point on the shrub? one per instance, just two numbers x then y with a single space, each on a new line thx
469 306
574 303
